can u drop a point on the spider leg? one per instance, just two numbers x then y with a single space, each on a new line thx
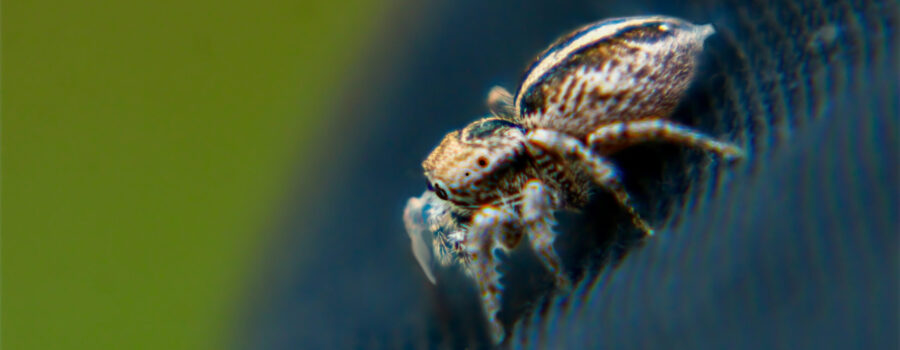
603 171
623 133
500 103
415 227
537 214
488 225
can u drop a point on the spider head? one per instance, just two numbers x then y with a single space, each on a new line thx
473 166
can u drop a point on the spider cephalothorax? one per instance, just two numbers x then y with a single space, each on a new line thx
606 86
484 163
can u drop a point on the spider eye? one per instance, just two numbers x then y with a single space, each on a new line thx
482 162
440 192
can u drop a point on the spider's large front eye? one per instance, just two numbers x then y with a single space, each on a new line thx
440 192
482 162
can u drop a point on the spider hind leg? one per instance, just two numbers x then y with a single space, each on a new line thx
624 133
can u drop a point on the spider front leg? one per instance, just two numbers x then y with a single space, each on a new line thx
537 215
415 227
624 133
602 170
490 227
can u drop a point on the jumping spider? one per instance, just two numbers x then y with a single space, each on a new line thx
601 88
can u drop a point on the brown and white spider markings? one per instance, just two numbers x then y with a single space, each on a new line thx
601 88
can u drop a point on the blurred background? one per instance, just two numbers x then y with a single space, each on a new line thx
147 149
213 175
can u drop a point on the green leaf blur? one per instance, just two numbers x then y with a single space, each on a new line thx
145 147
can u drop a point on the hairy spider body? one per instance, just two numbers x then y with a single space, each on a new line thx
603 87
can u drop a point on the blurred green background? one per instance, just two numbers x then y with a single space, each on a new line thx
145 148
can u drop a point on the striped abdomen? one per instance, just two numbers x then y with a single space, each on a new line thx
618 69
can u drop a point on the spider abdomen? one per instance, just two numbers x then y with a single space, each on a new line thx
613 70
